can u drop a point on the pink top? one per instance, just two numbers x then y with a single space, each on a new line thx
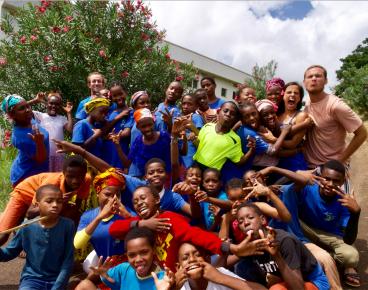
333 118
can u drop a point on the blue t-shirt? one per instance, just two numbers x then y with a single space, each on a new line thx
82 131
110 155
187 160
24 165
330 217
135 132
104 244
126 278
161 126
216 104
140 153
49 252
81 114
207 215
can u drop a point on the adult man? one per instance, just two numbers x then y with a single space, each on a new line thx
333 119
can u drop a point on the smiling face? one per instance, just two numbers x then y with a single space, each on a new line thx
143 102
173 92
74 177
193 177
118 95
140 256
292 97
333 180
96 83
99 114
53 105
268 117
274 94
144 203
247 95
250 220
21 113
250 117
156 175
146 126
188 105
189 259
314 80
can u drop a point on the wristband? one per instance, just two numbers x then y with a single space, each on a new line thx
225 248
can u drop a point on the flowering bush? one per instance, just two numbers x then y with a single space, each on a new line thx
56 44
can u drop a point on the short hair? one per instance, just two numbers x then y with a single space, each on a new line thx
235 105
194 166
335 165
248 204
316 66
40 192
234 183
213 170
208 78
74 161
241 87
281 108
117 84
247 104
154 160
153 190
140 232
189 95
96 73
181 86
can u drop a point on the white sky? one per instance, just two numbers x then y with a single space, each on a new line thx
231 33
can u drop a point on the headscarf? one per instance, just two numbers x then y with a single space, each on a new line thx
10 102
134 98
275 82
262 104
142 113
111 177
96 103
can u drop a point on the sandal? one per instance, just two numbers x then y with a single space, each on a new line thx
352 279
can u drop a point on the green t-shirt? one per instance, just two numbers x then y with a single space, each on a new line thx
214 148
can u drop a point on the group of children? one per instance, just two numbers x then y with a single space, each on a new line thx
200 193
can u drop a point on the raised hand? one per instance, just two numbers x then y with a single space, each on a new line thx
251 143
102 268
114 137
348 200
108 209
40 97
166 282
68 108
184 188
177 127
156 224
272 243
181 277
201 196
36 135
167 116
257 191
251 248
67 147
214 209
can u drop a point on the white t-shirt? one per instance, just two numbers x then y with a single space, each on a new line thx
213 286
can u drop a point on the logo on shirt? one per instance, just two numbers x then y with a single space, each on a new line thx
329 216
163 245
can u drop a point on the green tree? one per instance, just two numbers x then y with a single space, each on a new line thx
56 44
260 74
353 77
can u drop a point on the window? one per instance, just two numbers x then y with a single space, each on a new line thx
195 84
223 92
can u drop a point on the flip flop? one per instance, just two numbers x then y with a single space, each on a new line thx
352 279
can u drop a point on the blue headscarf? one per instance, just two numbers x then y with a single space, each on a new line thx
10 102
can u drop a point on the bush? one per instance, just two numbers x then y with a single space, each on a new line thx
58 43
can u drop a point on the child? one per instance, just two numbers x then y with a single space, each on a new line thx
171 230
95 82
245 94
167 111
208 114
48 244
122 127
209 85
55 124
32 141
275 91
136 274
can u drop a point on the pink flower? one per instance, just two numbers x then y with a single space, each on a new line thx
41 9
53 68
102 53
145 36
23 39
55 29
47 58
179 78
167 56
45 3
147 25
66 29
3 61
124 74
33 37
68 18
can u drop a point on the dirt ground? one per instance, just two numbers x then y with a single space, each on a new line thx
10 272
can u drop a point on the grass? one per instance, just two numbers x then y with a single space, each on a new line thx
7 155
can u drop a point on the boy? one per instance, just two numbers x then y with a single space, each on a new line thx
48 244
73 182
208 114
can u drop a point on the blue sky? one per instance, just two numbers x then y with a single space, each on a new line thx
292 10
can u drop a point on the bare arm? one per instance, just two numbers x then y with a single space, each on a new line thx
360 135
297 136
298 179
292 278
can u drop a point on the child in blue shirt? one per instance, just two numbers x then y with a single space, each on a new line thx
48 244
31 140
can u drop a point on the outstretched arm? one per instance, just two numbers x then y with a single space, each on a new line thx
360 135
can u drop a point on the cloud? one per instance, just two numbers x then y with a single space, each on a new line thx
242 34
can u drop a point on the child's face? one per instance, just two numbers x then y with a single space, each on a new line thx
96 83
291 97
189 259
21 113
333 180
193 177
144 203
173 92
188 105
274 95
227 115
234 194
247 95
108 193
143 102
140 256
268 116
249 220
250 117
211 183
251 179
156 175
53 105
202 102
118 95
209 87
146 126
51 203
99 114
74 177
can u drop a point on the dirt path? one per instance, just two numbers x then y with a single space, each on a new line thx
9 272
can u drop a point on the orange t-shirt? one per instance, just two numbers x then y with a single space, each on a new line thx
333 119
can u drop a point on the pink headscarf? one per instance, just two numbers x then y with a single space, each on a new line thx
275 82
262 104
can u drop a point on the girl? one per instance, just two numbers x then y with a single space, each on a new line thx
209 85
208 114
245 94
275 91
32 141
55 124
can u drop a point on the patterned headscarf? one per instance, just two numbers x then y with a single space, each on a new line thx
111 177
142 113
134 98
10 102
96 103
275 82
262 104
